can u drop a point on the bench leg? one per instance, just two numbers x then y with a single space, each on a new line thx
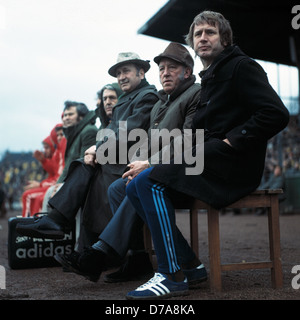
274 240
214 250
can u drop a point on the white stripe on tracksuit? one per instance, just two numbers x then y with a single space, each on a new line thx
166 231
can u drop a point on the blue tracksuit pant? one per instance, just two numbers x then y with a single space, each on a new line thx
154 203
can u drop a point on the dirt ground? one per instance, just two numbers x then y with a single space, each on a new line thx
244 237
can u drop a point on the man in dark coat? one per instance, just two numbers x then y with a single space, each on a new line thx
239 111
80 132
87 181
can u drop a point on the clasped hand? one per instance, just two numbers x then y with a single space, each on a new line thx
135 168
90 156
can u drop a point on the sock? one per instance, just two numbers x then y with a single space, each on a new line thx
102 246
176 277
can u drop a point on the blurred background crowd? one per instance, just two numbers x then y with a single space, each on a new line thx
17 169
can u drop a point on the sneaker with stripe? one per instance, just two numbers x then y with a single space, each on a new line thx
159 287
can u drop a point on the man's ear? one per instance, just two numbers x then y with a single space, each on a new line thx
142 73
225 44
187 72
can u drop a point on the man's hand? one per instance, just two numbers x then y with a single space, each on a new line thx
136 167
90 156
39 155
227 141
56 186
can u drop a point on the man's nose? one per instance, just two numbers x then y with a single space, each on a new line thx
203 37
121 76
165 72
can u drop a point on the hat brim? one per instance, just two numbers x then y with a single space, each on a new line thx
141 63
157 59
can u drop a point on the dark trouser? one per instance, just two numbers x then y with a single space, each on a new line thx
124 231
72 195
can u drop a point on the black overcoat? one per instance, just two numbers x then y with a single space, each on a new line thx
237 103
134 108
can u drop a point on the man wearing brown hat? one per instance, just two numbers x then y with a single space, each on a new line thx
87 180
175 109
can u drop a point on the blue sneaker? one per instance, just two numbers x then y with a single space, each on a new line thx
195 275
159 287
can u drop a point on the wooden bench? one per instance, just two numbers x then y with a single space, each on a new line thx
259 198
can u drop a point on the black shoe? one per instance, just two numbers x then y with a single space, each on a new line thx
72 256
90 263
43 227
137 266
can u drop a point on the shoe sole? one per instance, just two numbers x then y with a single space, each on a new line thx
196 282
65 264
47 234
165 296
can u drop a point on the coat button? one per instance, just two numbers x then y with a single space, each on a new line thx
244 131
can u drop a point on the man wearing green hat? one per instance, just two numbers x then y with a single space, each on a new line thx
87 181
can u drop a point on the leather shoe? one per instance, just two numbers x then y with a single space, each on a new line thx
89 264
43 227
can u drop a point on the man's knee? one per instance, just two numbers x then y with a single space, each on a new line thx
142 181
117 188
130 188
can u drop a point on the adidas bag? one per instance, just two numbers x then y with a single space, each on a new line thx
25 252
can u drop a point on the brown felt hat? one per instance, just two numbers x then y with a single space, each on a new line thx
178 53
126 58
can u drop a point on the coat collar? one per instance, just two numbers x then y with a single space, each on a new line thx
185 84
131 95
72 132
227 54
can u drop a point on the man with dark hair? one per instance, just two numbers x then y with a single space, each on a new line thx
81 108
79 130
239 111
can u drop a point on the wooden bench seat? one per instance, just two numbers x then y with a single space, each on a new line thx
260 198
